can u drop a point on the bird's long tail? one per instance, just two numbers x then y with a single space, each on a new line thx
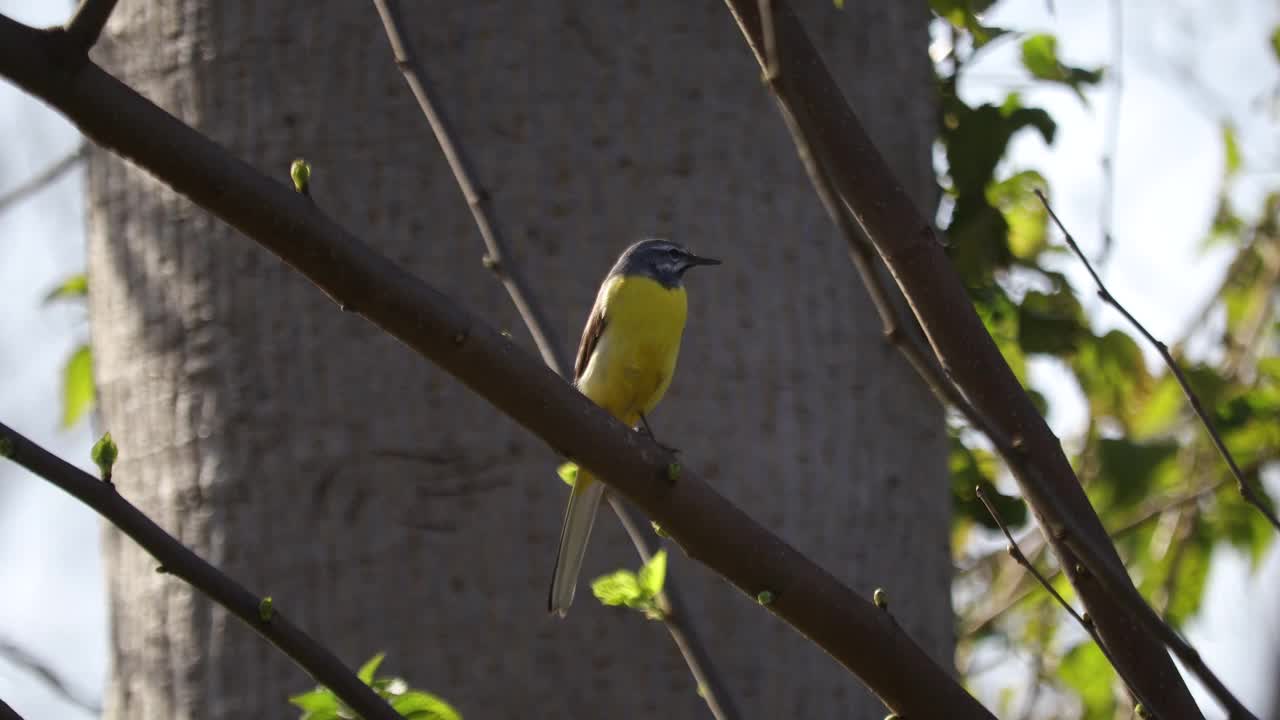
578 519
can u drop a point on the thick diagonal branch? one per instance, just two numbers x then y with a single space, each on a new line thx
906 241
710 528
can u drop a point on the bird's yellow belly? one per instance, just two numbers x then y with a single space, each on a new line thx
635 358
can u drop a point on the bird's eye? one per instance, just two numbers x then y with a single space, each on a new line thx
673 253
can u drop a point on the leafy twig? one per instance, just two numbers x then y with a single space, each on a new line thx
477 198
24 659
705 524
675 616
43 178
181 562
509 273
87 23
1250 495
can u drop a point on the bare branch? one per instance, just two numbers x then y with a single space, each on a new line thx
1250 495
507 270
181 562
86 25
907 242
477 198
706 525
43 178
26 660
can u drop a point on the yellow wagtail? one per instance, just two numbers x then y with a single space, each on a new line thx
625 362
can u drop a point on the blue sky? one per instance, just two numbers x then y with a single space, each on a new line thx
1185 65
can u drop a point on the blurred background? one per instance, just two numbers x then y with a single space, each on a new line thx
1171 152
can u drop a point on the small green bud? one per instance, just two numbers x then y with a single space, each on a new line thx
1141 711
673 472
266 609
300 171
891 716
880 598
6 446
657 530
104 454
764 597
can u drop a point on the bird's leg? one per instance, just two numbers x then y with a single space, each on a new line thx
649 431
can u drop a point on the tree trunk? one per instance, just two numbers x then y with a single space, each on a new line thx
381 504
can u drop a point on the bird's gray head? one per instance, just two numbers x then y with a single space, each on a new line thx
660 260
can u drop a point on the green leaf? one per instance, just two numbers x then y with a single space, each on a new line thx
1275 42
300 173
317 700
1129 472
76 286
1110 369
419 705
1230 150
370 667
1085 669
1052 323
960 12
1040 58
620 587
1024 214
653 574
971 467
1190 562
104 454
568 472
77 386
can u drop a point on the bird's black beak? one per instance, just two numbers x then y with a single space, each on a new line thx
692 260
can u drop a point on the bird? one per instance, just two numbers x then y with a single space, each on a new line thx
625 362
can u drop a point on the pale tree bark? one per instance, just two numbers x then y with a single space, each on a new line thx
383 506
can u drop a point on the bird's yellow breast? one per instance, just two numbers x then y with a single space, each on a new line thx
635 357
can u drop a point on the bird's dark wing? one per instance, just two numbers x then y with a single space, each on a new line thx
590 336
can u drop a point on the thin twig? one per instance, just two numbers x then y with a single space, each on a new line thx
498 259
1111 133
676 619
26 660
505 268
1146 514
43 178
1016 553
260 614
1113 584
86 25
1250 495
